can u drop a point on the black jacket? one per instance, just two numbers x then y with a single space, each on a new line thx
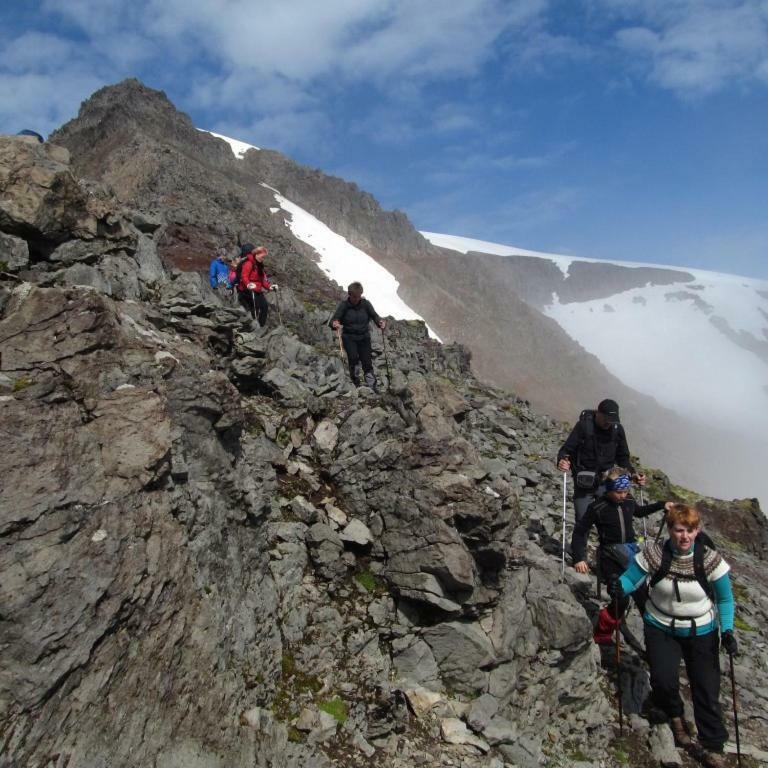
355 318
598 451
613 522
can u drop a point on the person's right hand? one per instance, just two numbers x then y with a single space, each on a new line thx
336 324
564 465
251 286
581 567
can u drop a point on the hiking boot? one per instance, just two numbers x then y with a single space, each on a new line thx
713 759
680 732
606 624
370 381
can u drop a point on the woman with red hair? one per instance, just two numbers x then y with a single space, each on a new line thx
689 598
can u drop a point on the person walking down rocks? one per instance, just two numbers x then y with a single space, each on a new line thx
612 514
353 316
689 598
596 443
254 282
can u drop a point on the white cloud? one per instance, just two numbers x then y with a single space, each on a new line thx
695 47
42 102
285 131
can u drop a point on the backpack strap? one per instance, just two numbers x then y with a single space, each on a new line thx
665 565
699 570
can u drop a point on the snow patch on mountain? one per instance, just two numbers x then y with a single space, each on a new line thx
467 244
344 263
239 148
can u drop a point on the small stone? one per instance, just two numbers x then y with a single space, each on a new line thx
455 731
356 533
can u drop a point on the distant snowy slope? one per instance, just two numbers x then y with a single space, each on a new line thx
699 346
344 263
467 244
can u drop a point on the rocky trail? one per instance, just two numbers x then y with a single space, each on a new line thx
215 552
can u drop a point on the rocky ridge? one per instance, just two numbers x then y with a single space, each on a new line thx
215 552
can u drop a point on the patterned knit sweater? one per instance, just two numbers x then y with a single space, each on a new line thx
677 603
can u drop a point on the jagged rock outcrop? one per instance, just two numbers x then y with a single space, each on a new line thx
214 551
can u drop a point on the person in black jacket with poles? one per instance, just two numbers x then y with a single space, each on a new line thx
596 443
612 514
353 316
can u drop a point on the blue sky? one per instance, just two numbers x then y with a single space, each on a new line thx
618 129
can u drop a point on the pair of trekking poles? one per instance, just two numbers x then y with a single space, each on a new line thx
277 304
619 687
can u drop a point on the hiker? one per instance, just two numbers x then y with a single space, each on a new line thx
218 272
253 282
353 316
689 595
612 515
596 443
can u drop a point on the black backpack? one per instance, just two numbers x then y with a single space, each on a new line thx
587 421
698 563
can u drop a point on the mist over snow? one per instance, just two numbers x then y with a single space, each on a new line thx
698 347
661 340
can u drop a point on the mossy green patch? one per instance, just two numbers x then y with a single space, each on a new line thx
294 684
21 384
742 624
370 582
336 708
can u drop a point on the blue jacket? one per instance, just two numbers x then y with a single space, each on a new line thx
218 274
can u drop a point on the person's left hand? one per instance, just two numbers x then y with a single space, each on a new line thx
640 478
273 287
382 324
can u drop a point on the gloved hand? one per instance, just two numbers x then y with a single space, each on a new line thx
251 286
615 590
273 287
728 640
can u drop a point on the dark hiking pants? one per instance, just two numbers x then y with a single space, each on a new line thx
358 351
256 304
702 663
582 498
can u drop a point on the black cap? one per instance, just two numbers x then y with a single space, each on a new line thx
246 248
610 410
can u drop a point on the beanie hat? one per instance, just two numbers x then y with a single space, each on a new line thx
246 248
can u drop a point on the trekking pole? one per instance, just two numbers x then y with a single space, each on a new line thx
253 301
619 693
386 359
341 348
735 710
565 488
642 504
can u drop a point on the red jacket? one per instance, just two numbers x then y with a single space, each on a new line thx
253 272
